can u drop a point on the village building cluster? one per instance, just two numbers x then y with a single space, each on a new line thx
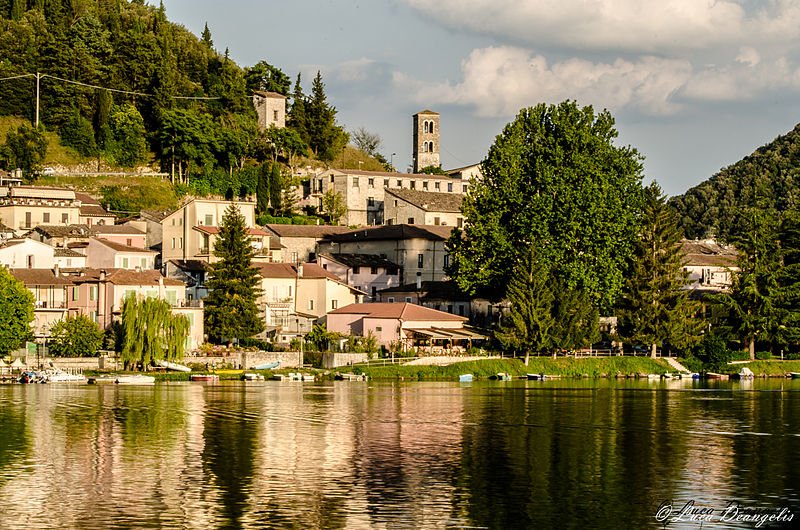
386 276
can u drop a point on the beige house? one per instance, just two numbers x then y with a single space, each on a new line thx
305 290
25 207
368 273
189 233
92 212
424 208
709 264
364 191
121 234
27 254
419 250
467 173
62 236
52 293
405 324
103 253
300 241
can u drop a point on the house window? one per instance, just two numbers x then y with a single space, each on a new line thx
450 186
93 316
27 219
378 328
46 217
436 186
75 293
331 179
355 182
209 220
275 115
408 299
151 293
447 260
129 242
424 184
385 183
173 221
461 310
370 202
399 183
449 308
29 260
180 242
420 260
294 257
356 269
311 305
437 221
464 188
172 298
334 304
371 183
290 291
413 184
173 242
460 222
144 263
411 220
390 299
373 270
92 293
374 291
65 218
124 263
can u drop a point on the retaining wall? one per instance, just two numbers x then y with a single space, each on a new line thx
446 360
334 360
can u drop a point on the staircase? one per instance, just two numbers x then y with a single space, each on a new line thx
673 362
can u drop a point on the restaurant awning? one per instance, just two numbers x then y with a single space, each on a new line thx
448 333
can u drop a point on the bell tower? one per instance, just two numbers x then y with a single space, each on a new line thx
426 140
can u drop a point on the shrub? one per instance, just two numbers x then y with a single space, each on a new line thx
763 355
738 355
692 363
257 343
77 336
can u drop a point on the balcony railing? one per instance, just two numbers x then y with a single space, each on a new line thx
189 303
51 305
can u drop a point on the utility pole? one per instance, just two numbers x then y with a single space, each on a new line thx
37 99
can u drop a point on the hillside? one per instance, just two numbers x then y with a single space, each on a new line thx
768 179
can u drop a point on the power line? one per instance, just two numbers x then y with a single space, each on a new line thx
17 77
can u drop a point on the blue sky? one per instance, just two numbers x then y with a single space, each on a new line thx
694 85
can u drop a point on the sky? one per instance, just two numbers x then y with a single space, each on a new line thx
694 85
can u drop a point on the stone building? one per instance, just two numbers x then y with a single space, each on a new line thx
271 109
426 140
422 207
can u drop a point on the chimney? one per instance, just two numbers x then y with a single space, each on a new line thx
103 275
161 281
56 272
419 282
299 270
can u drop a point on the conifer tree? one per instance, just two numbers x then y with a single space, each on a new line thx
789 280
275 186
326 138
655 307
297 119
262 188
205 37
230 308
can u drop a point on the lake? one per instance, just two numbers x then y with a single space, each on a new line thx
521 454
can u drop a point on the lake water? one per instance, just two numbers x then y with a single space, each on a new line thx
554 454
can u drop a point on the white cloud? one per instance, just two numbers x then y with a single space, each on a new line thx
641 26
498 81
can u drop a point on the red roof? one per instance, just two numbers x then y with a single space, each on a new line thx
404 310
123 248
289 270
125 277
215 230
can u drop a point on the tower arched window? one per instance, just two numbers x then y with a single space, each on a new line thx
430 128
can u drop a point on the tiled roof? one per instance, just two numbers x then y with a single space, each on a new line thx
116 229
123 248
395 232
427 112
85 198
268 94
289 270
125 277
393 175
39 277
362 260
12 243
315 231
429 201
64 230
155 215
215 230
708 253
194 265
94 210
67 253
404 311
4 228
431 290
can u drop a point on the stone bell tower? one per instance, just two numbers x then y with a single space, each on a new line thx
426 140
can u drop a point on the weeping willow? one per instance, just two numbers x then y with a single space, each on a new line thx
151 332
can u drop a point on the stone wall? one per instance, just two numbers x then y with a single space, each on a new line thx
446 360
335 360
247 360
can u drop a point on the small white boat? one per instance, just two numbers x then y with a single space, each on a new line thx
654 376
268 366
169 365
465 378
135 379
63 377
205 377
252 377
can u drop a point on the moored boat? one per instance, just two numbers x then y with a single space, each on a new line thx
64 377
535 377
268 366
204 377
135 379
169 365
252 377
465 378
713 375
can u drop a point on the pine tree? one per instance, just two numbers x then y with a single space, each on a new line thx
230 308
527 326
789 280
325 138
262 188
655 307
297 119
205 37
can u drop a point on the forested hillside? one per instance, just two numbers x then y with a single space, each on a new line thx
769 179
167 97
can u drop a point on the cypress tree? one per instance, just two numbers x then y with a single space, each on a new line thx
275 186
230 308
655 307
262 188
297 119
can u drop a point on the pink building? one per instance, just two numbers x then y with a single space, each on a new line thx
404 323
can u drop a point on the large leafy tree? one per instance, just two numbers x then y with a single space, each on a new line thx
230 308
554 179
75 336
16 306
655 307
264 76
25 148
333 204
151 331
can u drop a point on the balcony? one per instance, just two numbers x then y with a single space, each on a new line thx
189 303
50 305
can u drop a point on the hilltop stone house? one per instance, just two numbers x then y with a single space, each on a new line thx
300 241
403 206
270 108
368 273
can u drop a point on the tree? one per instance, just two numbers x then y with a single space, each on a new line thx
16 306
298 118
205 37
263 187
788 278
433 170
75 336
366 141
753 306
553 178
275 187
230 308
151 331
264 76
325 138
529 323
128 145
25 148
333 204
655 308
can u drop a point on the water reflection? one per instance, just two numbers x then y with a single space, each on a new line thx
498 455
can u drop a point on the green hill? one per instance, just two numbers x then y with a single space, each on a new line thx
768 179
